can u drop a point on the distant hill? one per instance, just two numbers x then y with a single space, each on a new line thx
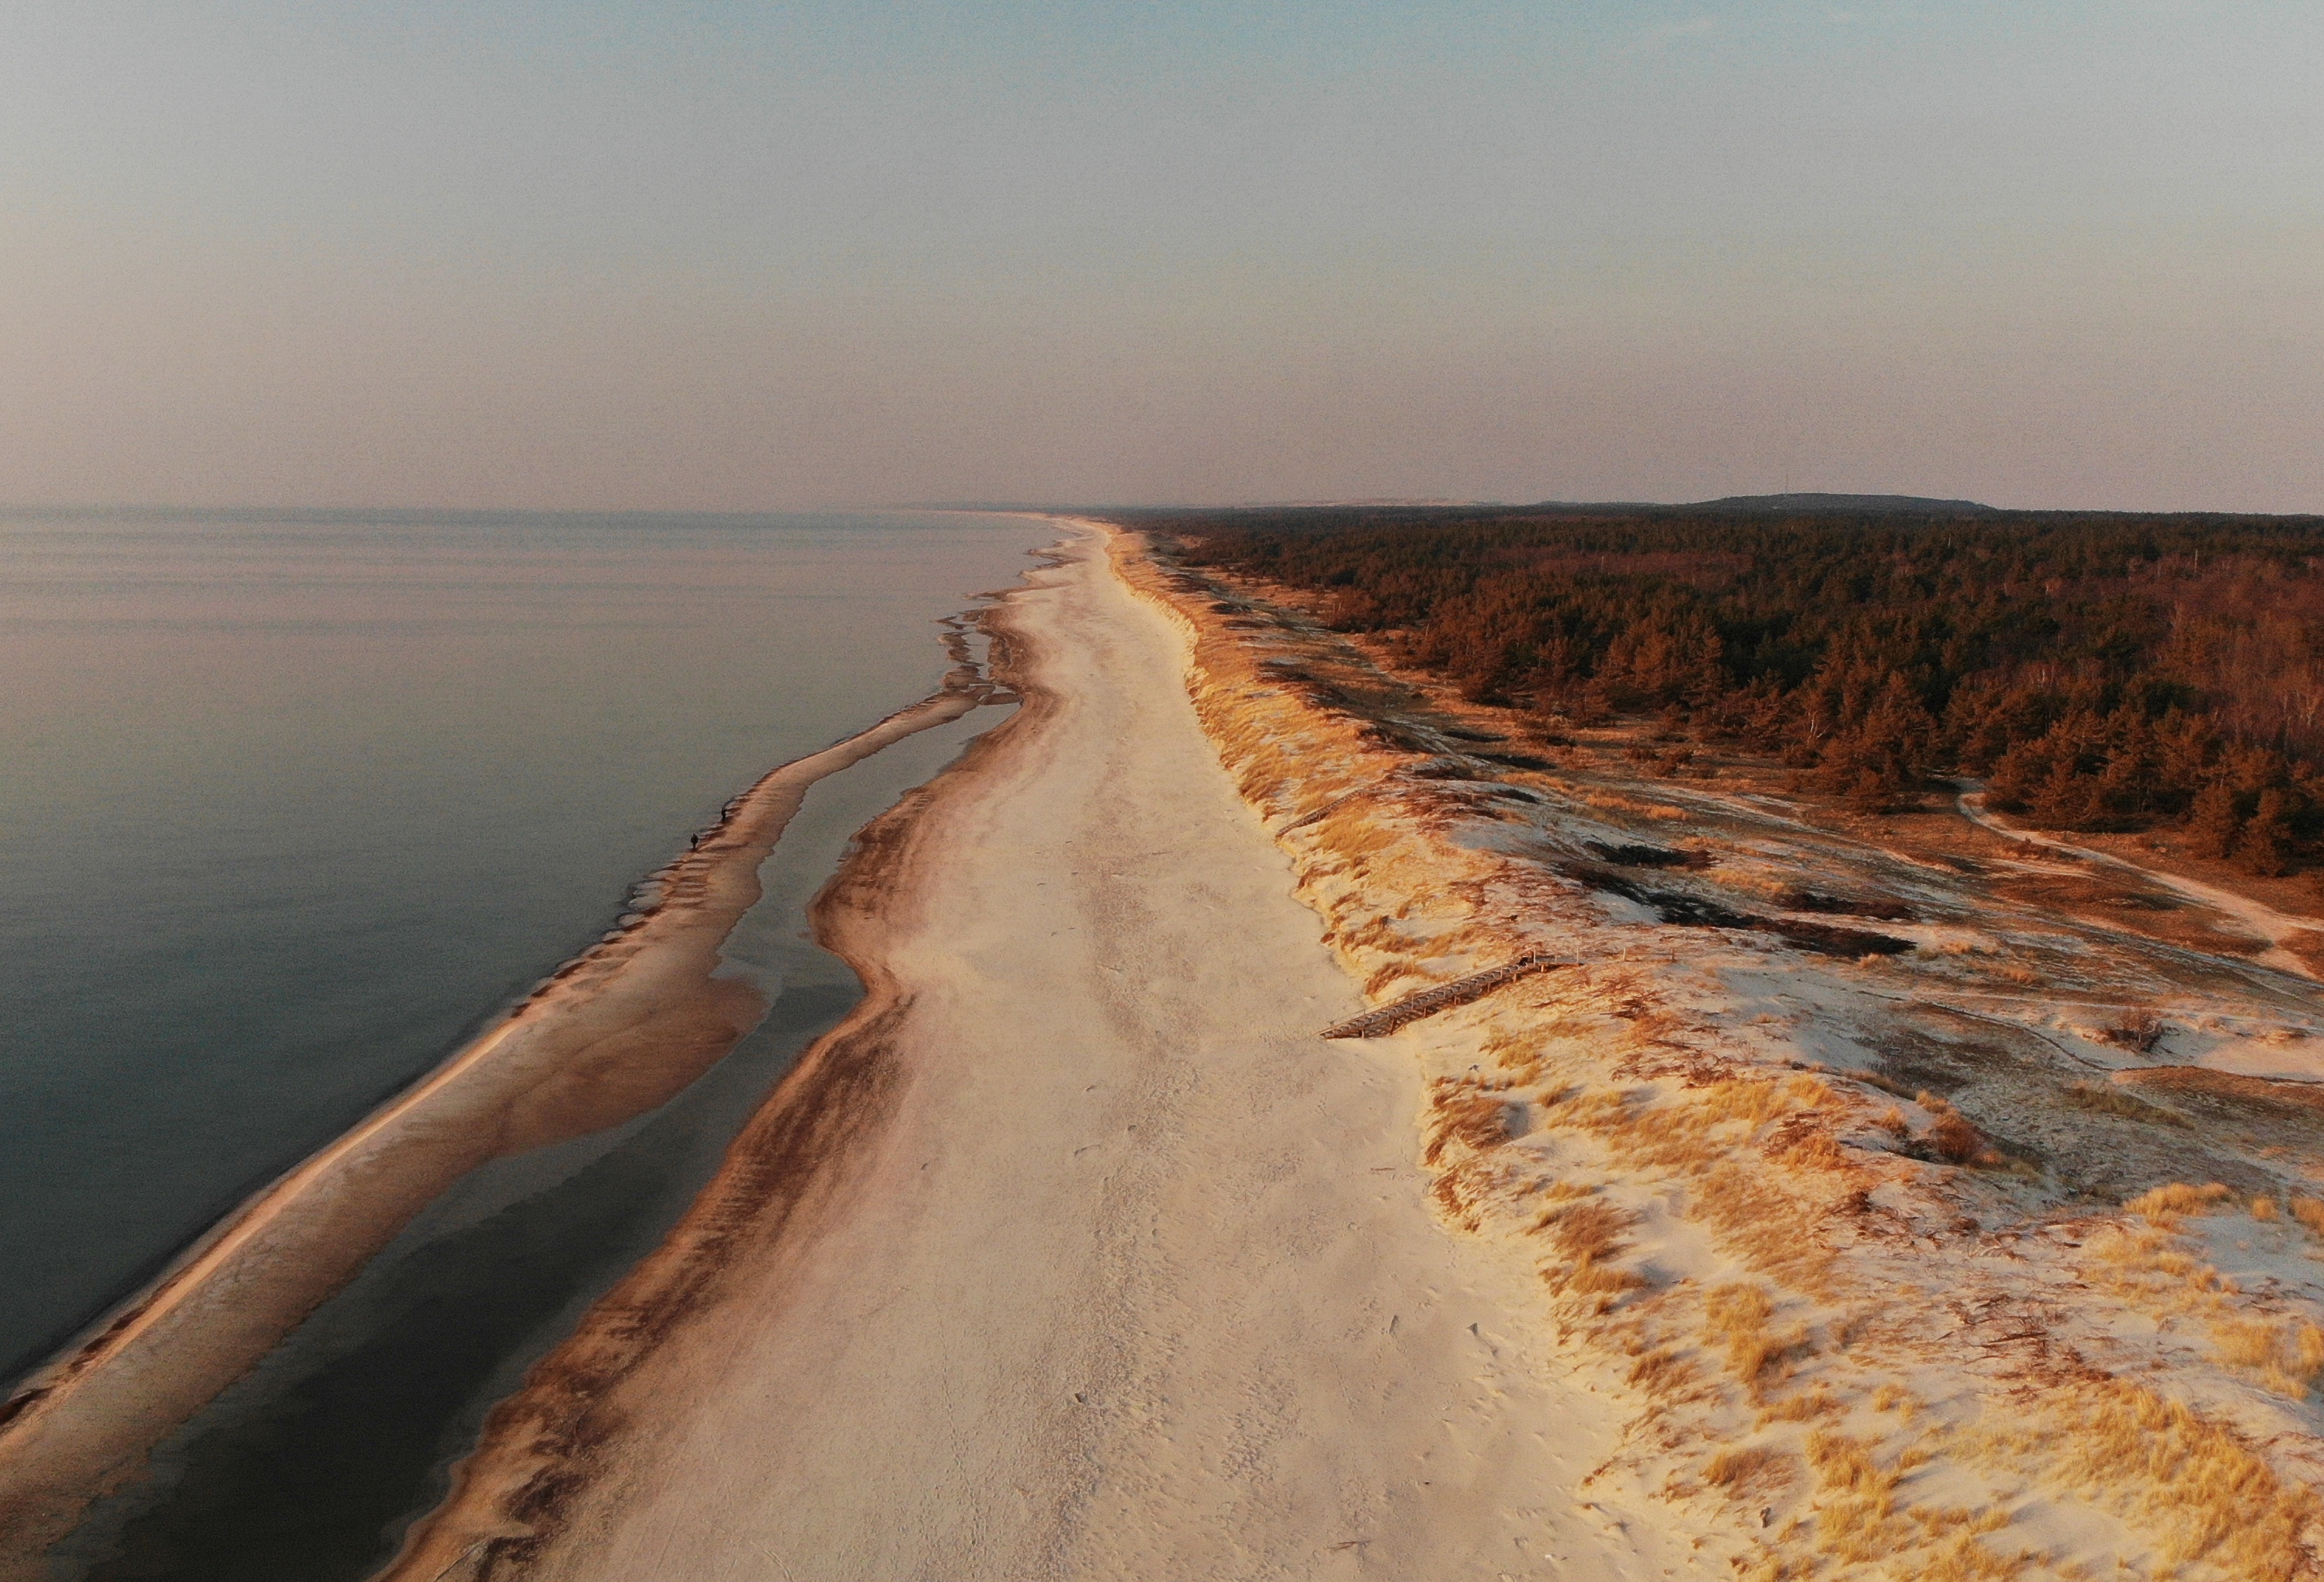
1853 505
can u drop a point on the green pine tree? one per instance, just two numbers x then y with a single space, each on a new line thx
2213 823
2264 847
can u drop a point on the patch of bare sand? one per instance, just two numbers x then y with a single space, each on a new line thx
1075 1253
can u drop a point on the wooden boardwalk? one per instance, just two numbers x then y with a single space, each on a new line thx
1461 990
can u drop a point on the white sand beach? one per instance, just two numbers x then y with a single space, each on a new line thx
1131 1276
1723 1240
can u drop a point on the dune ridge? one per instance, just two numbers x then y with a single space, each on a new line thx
1879 1266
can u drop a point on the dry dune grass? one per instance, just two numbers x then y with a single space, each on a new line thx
1756 1155
1859 1519
1955 1138
1665 1373
2200 1489
1862 1523
1588 1236
2167 1206
1463 1114
1736 1318
2107 1099
1463 1124
1750 1471
2151 1268
1799 1337
2286 1354
2154 1269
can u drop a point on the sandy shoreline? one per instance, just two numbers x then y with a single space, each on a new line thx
1078 1251
1717 1252
1075 1253
788 1163
613 1033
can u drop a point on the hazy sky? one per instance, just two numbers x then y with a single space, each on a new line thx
573 253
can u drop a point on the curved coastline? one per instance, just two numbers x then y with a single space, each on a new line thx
1075 1198
612 1033
787 1168
1078 1251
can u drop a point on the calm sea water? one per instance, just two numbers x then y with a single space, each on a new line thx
288 807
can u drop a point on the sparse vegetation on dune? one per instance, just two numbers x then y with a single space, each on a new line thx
2111 1100
1834 1243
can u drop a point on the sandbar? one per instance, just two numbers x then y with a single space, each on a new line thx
615 1033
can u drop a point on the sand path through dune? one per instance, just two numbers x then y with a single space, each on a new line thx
2262 919
1135 1277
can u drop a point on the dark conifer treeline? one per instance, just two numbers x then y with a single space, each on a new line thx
2100 671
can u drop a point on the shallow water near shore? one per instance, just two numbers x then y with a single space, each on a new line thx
312 1466
294 804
